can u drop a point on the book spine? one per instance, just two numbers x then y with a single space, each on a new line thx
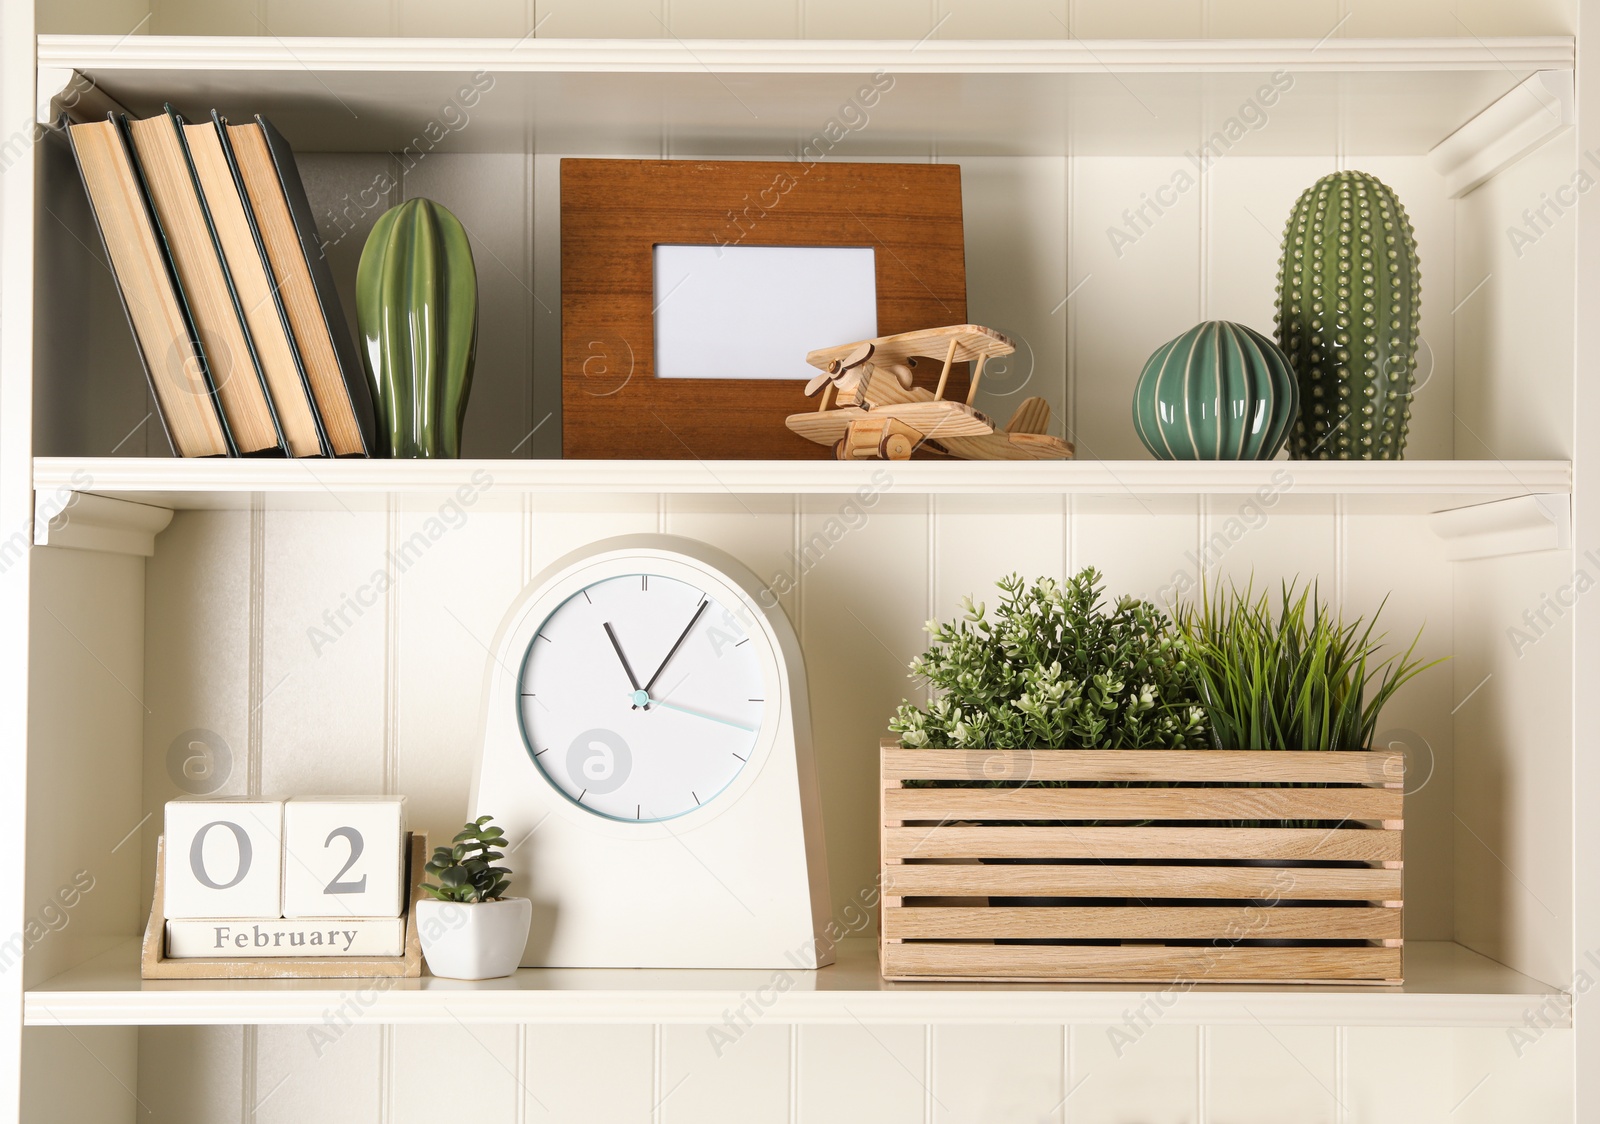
305 223
176 122
202 364
221 126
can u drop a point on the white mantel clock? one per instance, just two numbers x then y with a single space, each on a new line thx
647 748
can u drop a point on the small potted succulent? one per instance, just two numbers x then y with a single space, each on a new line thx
468 928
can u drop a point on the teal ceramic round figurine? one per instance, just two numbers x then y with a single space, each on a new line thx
417 308
1349 299
1219 392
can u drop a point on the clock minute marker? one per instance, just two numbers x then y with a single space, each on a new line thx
740 758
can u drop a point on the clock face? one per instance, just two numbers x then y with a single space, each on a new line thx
641 698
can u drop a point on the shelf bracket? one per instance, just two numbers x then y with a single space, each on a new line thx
1530 114
1520 525
90 522
62 90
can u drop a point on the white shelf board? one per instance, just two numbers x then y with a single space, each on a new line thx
1446 985
764 97
1398 487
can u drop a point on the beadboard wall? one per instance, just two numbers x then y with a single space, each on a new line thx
242 623
1246 1074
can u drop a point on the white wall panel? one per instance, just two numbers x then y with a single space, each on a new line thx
725 1074
192 1074
860 625
1248 205
718 19
81 1073
1267 1075
1121 261
197 640
1405 1075
883 19
508 19
301 1071
876 1073
1141 1070
973 551
1399 558
484 1060
757 530
1017 277
447 604
204 17
323 653
1160 19
1144 546
998 1074
312 17
598 1073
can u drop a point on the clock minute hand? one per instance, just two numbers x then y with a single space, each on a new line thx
684 635
633 680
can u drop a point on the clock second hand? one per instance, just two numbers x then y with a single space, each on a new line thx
702 714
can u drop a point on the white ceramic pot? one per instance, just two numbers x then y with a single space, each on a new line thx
477 941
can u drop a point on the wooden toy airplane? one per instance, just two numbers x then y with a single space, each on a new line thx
871 411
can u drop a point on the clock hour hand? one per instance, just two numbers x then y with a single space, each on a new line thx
633 680
700 714
684 635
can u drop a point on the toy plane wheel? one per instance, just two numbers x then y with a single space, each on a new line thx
896 447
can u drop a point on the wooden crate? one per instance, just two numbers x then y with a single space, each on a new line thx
154 964
1177 869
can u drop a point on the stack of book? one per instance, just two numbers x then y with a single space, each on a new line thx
216 255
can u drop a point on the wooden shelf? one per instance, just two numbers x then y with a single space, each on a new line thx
758 97
1306 486
1446 985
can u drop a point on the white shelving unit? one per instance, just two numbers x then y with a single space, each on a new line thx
1446 986
163 596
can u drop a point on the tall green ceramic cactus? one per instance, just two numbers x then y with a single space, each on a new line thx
1349 298
417 308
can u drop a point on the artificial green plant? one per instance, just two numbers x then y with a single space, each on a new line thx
1290 672
465 869
1055 667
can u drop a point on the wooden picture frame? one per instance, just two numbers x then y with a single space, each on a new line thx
615 212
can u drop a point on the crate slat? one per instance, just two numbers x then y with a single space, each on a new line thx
961 841
1371 767
1234 923
1097 881
944 907
906 961
1143 804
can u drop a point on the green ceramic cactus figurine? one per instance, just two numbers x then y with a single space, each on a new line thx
417 308
1349 293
